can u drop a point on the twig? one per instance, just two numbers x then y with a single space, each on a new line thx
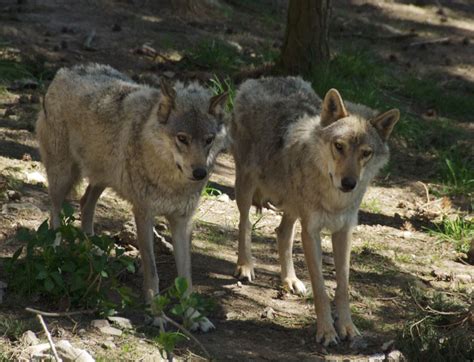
416 324
48 335
426 191
188 334
431 41
60 314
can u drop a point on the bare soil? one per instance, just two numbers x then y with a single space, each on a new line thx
391 251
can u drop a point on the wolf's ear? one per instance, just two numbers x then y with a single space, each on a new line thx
217 103
333 108
168 94
385 122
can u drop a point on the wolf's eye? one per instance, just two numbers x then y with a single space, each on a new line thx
183 139
367 153
209 140
338 146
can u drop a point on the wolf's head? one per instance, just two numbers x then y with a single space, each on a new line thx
355 141
189 126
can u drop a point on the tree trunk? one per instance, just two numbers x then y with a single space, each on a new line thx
306 38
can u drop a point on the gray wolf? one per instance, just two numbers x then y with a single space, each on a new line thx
313 159
154 147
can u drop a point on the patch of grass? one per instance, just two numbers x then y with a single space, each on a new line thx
13 328
219 86
372 206
458 231
210 191
215 54
457 176
438 329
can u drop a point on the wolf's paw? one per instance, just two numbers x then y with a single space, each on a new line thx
199 323
326 334
346 328
295 286
244 271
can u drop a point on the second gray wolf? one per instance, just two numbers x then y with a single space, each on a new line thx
154 147
313 159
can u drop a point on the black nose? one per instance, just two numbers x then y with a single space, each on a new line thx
199 173
348 184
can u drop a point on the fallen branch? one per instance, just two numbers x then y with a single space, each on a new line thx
60 314
48 335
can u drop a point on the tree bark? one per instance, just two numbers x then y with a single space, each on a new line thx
306 39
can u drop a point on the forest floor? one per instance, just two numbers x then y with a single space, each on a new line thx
419 58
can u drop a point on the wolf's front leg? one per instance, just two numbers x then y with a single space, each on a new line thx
285 234
341 244
325 333
144 223
181 227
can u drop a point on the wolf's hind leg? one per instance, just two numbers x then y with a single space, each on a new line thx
244 189
285 234
88 202
61 178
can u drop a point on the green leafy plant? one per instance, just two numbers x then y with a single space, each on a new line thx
458 231
81 270
178 302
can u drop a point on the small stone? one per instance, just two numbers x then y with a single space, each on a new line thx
35 177
223 198
231 315
110 330
396 356
81 332
70 353
329 260
268 313
37 350
109 345
387 345
441 275
239 284
13 195
29 338
359 343
379 357
100 323
219 293
122 322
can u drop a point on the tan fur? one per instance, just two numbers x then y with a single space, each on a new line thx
155 148
312 159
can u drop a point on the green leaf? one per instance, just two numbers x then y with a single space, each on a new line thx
104 274
68 210
181 285
42 275
178 310
48 284
17 254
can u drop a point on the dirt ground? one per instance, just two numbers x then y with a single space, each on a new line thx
392 249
